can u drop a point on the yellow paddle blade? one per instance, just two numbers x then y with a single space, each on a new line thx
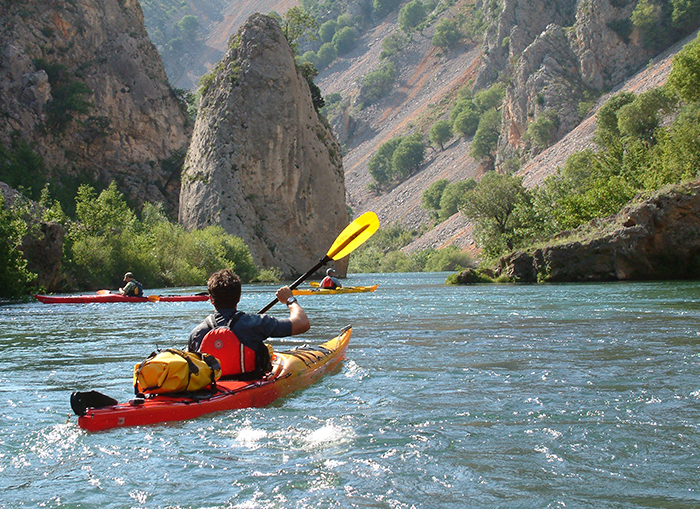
103 292
354 235
154 298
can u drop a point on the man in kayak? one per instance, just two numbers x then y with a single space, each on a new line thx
330 281
132 288
251 330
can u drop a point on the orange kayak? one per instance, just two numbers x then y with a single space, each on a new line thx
291 371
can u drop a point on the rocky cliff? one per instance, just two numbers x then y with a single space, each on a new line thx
261 162
658 238
81 82
559 55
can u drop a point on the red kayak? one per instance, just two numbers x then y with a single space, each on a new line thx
291 370
115 297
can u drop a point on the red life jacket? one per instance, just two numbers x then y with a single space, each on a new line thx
236 359
327 282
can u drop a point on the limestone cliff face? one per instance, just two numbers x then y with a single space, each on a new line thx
261 163
559 53
130 127
655 239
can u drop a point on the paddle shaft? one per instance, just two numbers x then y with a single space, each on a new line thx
299 281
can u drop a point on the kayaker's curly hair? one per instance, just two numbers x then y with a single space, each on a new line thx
224 289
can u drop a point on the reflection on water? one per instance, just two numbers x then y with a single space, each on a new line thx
583 395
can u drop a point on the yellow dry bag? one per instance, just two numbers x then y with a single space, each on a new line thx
175 371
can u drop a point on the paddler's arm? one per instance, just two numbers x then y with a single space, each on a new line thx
297 315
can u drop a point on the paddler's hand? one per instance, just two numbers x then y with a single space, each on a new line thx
300 322
283 294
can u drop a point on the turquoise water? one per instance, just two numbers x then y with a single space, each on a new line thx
512 396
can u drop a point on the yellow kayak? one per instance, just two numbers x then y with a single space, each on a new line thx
325 291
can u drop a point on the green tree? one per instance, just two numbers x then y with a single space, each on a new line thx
309 72
189 26
108 239
466 122
684 78
449 258
431 197
15 279
345 20
393 43
646 14
377 84
326 54
384 7
541 132
607 132
298 24
411 15
344 40
490 98
440 133
408 156
327 30
491 206
68 95
453 196
679 149
107 213
310 56
641 118
447 34
686 14
380 165
486 138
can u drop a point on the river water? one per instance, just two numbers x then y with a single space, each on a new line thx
503 396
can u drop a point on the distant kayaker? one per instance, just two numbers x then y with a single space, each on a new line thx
132 288
330 281
251 330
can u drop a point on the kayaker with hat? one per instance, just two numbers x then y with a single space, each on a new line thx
132 288
249 330
330 281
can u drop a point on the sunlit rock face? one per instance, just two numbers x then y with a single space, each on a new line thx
81 83
261 163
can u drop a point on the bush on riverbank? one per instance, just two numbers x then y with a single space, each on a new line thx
15 279
383 253
107 239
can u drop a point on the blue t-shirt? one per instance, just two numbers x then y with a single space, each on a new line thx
251 330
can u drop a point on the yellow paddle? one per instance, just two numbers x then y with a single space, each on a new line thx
353 236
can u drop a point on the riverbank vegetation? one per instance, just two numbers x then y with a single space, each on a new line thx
384 253
106 238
